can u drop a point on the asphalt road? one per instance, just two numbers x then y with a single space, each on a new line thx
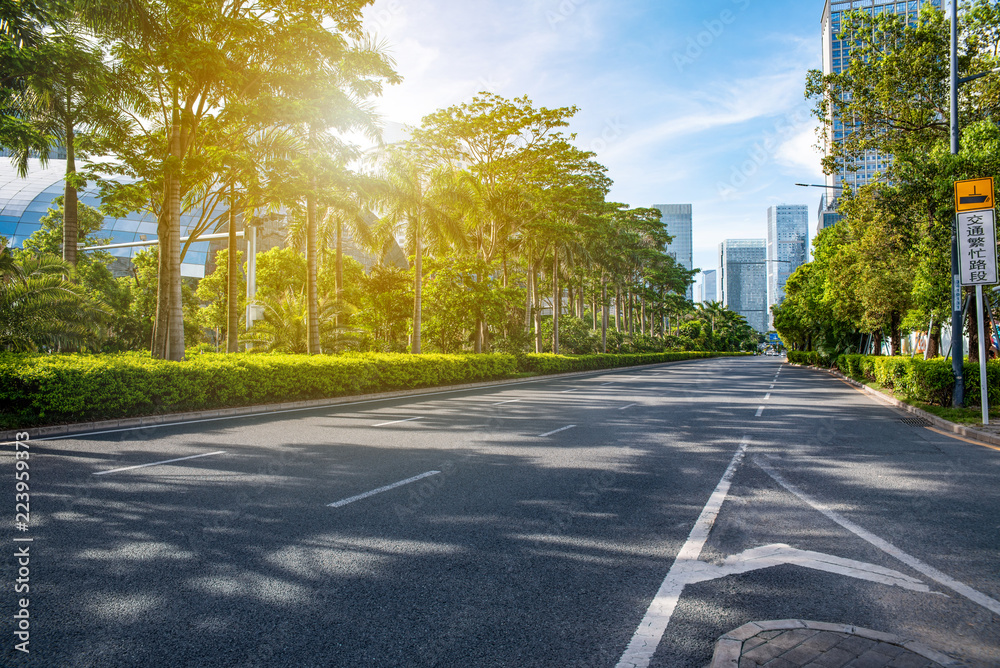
547 518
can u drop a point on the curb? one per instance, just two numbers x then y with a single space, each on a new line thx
953 427
730 646
167 419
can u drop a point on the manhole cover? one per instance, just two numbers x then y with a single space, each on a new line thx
915 422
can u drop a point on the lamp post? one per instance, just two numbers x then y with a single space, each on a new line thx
957 346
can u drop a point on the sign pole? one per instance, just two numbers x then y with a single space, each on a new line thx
982 356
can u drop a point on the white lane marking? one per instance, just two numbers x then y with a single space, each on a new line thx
767 397
968 592
760 411
352 499
573 390
771 388
509 401
167 461
321 407
610 382
779 554
556 431
385 424
629 406
650 632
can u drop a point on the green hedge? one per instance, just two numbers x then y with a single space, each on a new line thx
810 358
49 389
930 381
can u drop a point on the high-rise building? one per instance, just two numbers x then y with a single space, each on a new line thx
743 279
827 215
709 286
837 57
787 249
677 219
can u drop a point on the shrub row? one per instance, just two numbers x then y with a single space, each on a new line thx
49 389
810 358
930 381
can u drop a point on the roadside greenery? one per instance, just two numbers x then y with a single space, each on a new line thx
884 270
49 389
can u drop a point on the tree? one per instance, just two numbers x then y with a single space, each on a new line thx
203 61
413 196
40 309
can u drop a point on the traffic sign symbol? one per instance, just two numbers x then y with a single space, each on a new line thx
974 194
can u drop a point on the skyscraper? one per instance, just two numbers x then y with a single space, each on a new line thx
837 57
677 219
743 279
710 292
787 246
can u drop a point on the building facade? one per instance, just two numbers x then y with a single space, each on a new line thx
787 249
678 220
709 286
837 57
743 279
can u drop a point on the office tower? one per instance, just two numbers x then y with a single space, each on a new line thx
837 57
787 248
677 219
743 279
710 292
827 215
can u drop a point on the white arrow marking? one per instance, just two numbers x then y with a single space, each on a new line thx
779 555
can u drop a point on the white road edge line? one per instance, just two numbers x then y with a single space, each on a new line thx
968 592
556 431
352 499
610 382
509 401
573 390
650 631
167 461
629 406
760 411
385 424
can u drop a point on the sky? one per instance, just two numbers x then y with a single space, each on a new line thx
684 101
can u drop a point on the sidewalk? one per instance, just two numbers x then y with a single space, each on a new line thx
795 643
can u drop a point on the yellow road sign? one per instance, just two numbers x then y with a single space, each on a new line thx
974 194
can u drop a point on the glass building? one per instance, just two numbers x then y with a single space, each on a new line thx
709 286
787 249
24 201
837 57
677 219
743 279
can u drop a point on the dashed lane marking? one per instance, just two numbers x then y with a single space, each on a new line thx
352 499
167 461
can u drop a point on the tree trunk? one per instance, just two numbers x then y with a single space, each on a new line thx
529 297
339 287
642 314
556 301
232 298
312 293
604 315
973 327
933 341
71 223
161 324
175 313
895 336
572 298
417 285
618 308
537 310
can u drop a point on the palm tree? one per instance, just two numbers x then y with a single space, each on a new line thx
415 200
40 309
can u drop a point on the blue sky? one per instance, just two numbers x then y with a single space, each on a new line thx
684 101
